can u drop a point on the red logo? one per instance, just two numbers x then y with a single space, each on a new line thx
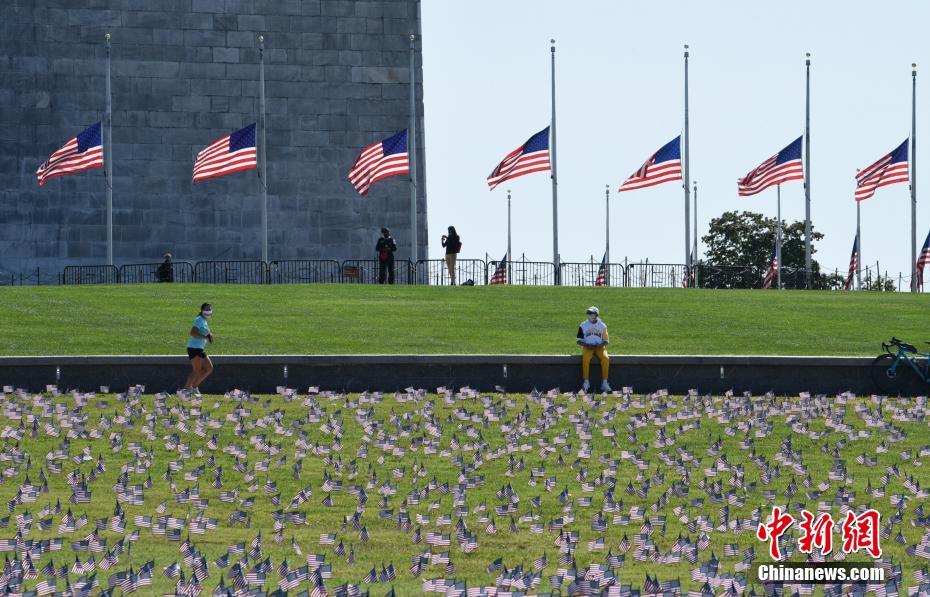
771 531
859 532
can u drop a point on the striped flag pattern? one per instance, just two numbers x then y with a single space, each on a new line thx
532 156
772 272
922 261
500 273
601 279
232 153
80 153
783 166
854 264
663 166
386 158
890 169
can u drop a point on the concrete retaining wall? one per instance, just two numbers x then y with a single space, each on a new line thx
517 373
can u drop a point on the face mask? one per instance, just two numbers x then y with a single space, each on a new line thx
207 314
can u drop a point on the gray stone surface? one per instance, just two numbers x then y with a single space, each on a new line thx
184 73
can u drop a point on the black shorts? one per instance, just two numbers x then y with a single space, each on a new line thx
196 352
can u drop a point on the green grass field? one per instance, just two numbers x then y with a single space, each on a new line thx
430 440
340 319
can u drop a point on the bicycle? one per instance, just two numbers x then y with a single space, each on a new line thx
895 370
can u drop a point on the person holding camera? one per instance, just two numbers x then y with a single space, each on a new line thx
453 245
385 248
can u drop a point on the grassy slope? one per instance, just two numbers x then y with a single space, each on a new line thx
336 319
389 544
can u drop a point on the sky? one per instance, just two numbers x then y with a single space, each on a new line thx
620 96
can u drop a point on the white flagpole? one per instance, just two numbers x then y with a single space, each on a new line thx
694 254
778 236
687 181
555 182
607 236
509 250
264 170
109 160
807 175
412 151
913 178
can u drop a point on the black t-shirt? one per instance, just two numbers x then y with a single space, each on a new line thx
385 248
452 244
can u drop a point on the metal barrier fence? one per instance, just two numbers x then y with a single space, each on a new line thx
656 275
521 272
526 273
318 271
144 273
435 273
367 271
90 274
231 272
586 274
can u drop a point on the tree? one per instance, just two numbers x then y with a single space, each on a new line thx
739 247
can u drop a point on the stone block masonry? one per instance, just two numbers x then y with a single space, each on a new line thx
185 73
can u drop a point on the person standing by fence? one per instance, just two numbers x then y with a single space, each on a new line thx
453 245
385 248
165 271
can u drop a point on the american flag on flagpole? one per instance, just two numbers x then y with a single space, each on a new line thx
890 169
601 279
772 272
922 261
532 156
384 159
783 166
854 264
663 166
232 153
500 273
80 153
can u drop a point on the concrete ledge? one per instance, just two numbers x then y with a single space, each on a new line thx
439 359
517 373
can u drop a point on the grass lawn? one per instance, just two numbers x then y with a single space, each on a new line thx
641 446
339 319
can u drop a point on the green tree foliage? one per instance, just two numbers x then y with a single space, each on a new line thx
745 239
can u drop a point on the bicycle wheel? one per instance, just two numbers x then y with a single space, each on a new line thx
890 382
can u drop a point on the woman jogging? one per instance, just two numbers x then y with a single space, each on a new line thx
592 338
201 366
453 245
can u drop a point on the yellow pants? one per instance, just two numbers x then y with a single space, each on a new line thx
587 352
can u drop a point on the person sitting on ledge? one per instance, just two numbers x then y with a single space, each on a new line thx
593 340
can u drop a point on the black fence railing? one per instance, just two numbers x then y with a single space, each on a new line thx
146 273
588 274
656 275
433 272
521 272
368 271
231 272
308 271
90 274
